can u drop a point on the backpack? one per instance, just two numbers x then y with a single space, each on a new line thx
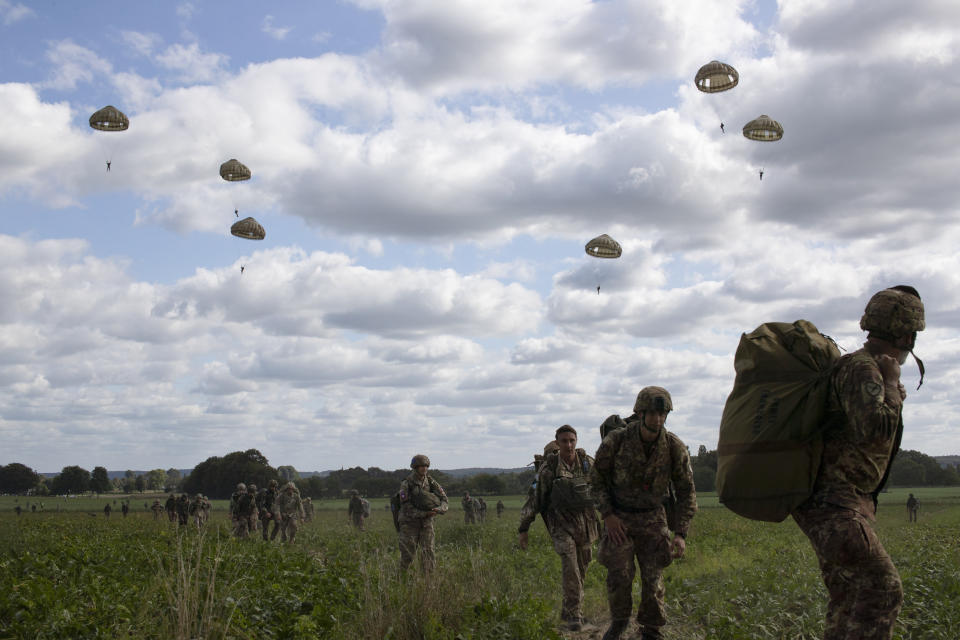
770 442
366 507
395 510
570 494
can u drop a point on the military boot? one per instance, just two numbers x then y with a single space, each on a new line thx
651 634
617 627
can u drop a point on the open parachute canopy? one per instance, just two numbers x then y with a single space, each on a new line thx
716 76
604 247
234 171
109 119
248 228
764 129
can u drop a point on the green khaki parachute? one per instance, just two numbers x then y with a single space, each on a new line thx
603 246
248 228
764 129
109 119
234 171
716 76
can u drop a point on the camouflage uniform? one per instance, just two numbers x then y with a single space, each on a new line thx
290 507
156 508
267 508
171 508
573 527
469 509
245 514
307 509
482 510
632 480
500 507
355 511
183 509
106 510
913 508
862 435
416 521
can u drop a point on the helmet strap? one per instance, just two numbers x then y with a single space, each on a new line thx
919 366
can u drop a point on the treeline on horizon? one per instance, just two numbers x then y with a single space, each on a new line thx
217 477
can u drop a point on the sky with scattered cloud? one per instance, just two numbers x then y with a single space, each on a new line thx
427 174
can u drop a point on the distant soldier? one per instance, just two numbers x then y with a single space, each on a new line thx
267 507
469 509
206 508
124 508
291 512
17 509
308 509
183 509
196 510
421 499
631 480
171 507
355 509
562 497
500 507
482 510
106 510
913 508
245 512
157 508
234 499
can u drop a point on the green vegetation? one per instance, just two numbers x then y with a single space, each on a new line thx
71 574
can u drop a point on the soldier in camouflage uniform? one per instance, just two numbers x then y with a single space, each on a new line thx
562 497
234 499
913 508
861 436
638 468
500 508
290 507
421 499
171 507
355 509
156 507
245 512
307 509
196 510
267 508
469 509
482 509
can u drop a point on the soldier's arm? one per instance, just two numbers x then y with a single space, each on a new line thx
871 404
686 493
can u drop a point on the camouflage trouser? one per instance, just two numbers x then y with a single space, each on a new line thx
245 524
648 540
864 587
417 534
357 519
469 517
265 525
912 514
172 516
288 528
575 554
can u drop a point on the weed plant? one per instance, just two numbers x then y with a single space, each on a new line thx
73 575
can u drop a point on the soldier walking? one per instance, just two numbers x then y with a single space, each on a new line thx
861 436
500 507
106 510
267 508
156 508
421 499
562 497
469 509
355 509
913 508
171 508
290 507
482 510
638 467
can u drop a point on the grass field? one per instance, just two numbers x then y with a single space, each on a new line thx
69 574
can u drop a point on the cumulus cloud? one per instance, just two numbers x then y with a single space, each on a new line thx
14 12
192 64
72 64
275 32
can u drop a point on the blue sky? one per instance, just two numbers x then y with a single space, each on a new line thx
427 174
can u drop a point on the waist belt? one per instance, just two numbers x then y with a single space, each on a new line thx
620 507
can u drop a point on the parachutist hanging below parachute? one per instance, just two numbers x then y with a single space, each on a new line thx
761 175
721 128
109 119
242 267
603 246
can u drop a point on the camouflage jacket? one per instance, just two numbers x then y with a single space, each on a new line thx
290 505
469 504
556 514
411 487
626 479
861 435
267 502
246 505
355 507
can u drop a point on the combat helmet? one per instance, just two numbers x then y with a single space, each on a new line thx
272 484
653 399
289 485
252 488
419 460
893 313
241 486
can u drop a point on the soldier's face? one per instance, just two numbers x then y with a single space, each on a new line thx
654 421
568 444
421 470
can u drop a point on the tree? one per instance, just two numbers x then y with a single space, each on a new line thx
140 483
100 480
71 479
155 479
174 478
17 478
907 472
217 477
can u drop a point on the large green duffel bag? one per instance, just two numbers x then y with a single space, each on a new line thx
770 442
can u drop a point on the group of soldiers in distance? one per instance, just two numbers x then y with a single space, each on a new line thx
641 484
475 509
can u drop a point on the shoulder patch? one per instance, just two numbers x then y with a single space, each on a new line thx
872 389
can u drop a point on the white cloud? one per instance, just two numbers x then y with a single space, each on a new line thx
275 32
142 43
192 64
73 64
14 12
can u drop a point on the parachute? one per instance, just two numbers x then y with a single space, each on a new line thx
234 171
248 228
764 129
716 76
603 246
109 119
